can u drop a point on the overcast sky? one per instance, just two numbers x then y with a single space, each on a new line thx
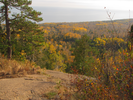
87 10
89 4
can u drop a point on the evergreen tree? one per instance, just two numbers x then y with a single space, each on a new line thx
29 38
81 54
84 52
26 13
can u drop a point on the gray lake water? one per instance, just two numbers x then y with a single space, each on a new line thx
50 14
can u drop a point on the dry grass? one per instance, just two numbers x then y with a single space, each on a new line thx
13 68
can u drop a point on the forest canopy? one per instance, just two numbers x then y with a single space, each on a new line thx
94 49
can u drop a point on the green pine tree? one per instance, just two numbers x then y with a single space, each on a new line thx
84 52
28 38
26 13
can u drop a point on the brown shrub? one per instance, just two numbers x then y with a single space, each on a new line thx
8 68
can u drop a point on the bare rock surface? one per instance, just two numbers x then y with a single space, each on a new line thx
31 87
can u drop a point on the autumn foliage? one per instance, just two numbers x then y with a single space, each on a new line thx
88 48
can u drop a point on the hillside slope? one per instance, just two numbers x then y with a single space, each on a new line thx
34 87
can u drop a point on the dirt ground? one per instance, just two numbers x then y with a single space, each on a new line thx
33 87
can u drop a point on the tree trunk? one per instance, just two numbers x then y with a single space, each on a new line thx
9 50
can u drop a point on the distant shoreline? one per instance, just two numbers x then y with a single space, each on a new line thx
88 21
59 15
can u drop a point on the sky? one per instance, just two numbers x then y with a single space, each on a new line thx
83 10
86 4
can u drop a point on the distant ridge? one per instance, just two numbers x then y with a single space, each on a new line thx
116 20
